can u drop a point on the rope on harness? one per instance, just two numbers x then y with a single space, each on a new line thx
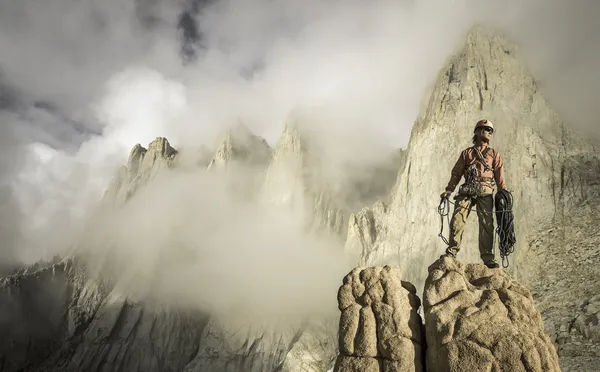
444 211
506 228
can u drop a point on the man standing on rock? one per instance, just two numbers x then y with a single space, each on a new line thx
481 166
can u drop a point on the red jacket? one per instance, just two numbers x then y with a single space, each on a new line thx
468 157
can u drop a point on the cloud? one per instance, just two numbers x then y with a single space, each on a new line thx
559 44
10 159
65 51
94 78
205 246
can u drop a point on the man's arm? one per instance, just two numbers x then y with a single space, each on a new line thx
457 172
499 171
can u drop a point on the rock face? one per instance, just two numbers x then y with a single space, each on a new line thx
237 344
57 318
240 145
294 180
242 158
563 267
299 178
80 318
380 328
316 348
31 337
479 319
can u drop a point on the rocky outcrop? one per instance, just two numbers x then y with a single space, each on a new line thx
380 328
480 319
142 166
476 319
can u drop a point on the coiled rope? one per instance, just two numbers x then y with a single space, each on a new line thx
506 224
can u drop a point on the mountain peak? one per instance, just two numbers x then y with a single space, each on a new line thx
238 143
162 147
143 164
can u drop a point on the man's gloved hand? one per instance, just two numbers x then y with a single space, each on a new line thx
445 195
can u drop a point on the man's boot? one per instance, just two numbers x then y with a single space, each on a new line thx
492 264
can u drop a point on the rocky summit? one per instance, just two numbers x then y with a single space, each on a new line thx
104 308
481 319
380 328
475 319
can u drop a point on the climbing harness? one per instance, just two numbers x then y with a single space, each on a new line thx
506 228
472 187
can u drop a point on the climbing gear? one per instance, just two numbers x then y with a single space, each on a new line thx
505 224
473 180
481 156
444 211
471 188
484 123
505 221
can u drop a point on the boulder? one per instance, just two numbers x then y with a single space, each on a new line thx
380 328
480 319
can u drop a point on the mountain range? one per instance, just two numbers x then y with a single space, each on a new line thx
123 302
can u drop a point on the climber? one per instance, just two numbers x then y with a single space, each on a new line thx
482 168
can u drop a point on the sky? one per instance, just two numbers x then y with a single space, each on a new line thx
81 82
